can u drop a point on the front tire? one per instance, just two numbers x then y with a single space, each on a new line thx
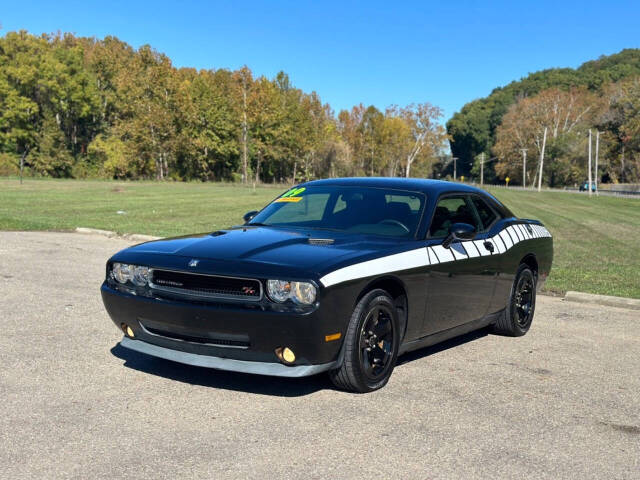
516 318
371 345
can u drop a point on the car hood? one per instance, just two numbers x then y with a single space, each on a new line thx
259 249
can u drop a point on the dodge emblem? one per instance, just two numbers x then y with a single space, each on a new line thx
194 262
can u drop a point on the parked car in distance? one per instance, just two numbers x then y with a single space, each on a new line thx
584 186
339 276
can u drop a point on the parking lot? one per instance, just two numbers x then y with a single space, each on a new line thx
561 402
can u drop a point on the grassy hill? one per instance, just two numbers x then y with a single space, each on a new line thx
596 239
473 128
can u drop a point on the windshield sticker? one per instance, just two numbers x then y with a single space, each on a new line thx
291 195
288 199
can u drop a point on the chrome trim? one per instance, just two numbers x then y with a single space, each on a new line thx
229 364
321 241
217 345
191 293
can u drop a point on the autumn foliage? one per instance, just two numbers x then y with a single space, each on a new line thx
80 107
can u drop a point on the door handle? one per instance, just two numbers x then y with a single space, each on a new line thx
489 246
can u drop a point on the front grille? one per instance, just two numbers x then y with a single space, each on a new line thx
208 286
221 342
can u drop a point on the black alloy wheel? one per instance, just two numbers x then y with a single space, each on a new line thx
517 316
371 344
523 301
376 341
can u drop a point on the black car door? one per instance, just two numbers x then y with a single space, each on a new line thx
461 278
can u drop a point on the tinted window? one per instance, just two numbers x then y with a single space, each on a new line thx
308 208
414 203
373 211
486 214
450 210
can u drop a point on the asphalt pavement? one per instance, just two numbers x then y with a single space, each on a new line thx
561 402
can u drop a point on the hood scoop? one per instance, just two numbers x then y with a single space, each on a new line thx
217 233
321 241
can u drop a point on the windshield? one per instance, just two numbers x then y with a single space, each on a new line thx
375 211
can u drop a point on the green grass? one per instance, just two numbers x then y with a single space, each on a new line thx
163 209
597 240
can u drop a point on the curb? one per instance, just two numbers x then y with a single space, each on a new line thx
605 300
136 237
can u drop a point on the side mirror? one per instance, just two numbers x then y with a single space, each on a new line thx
461 232
249 215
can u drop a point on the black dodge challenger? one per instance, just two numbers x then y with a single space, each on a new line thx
339 275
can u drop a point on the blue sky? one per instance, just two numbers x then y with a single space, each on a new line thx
379 53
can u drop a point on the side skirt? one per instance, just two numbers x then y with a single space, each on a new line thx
450 333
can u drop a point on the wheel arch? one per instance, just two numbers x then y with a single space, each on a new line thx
397 290
531 261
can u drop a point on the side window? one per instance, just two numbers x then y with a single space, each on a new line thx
450 210
486 214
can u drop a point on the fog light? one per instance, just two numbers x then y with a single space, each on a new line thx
127 330
285 355
288 355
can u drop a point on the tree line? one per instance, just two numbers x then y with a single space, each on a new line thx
76 107
601 95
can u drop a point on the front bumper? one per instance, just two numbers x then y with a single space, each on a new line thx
252 333
229 364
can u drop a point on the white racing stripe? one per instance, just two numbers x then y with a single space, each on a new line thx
481 248
471 249
497 243
506 239
535 233
515 233
458 251
443 254
435 254
392 263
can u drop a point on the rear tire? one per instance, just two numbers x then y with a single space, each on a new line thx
371 345
517 316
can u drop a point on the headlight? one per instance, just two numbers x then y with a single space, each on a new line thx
299 292
121 272
140 276
124 273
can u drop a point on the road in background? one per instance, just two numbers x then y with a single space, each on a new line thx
606 192
561 402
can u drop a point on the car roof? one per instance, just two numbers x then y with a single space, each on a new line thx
428 186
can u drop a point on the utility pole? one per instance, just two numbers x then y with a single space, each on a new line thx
589 185
595 179
482 169
245 128
454 168
544 144
524 167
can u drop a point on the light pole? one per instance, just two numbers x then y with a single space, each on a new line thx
544 143
524 167
455 174
595 179
589 186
